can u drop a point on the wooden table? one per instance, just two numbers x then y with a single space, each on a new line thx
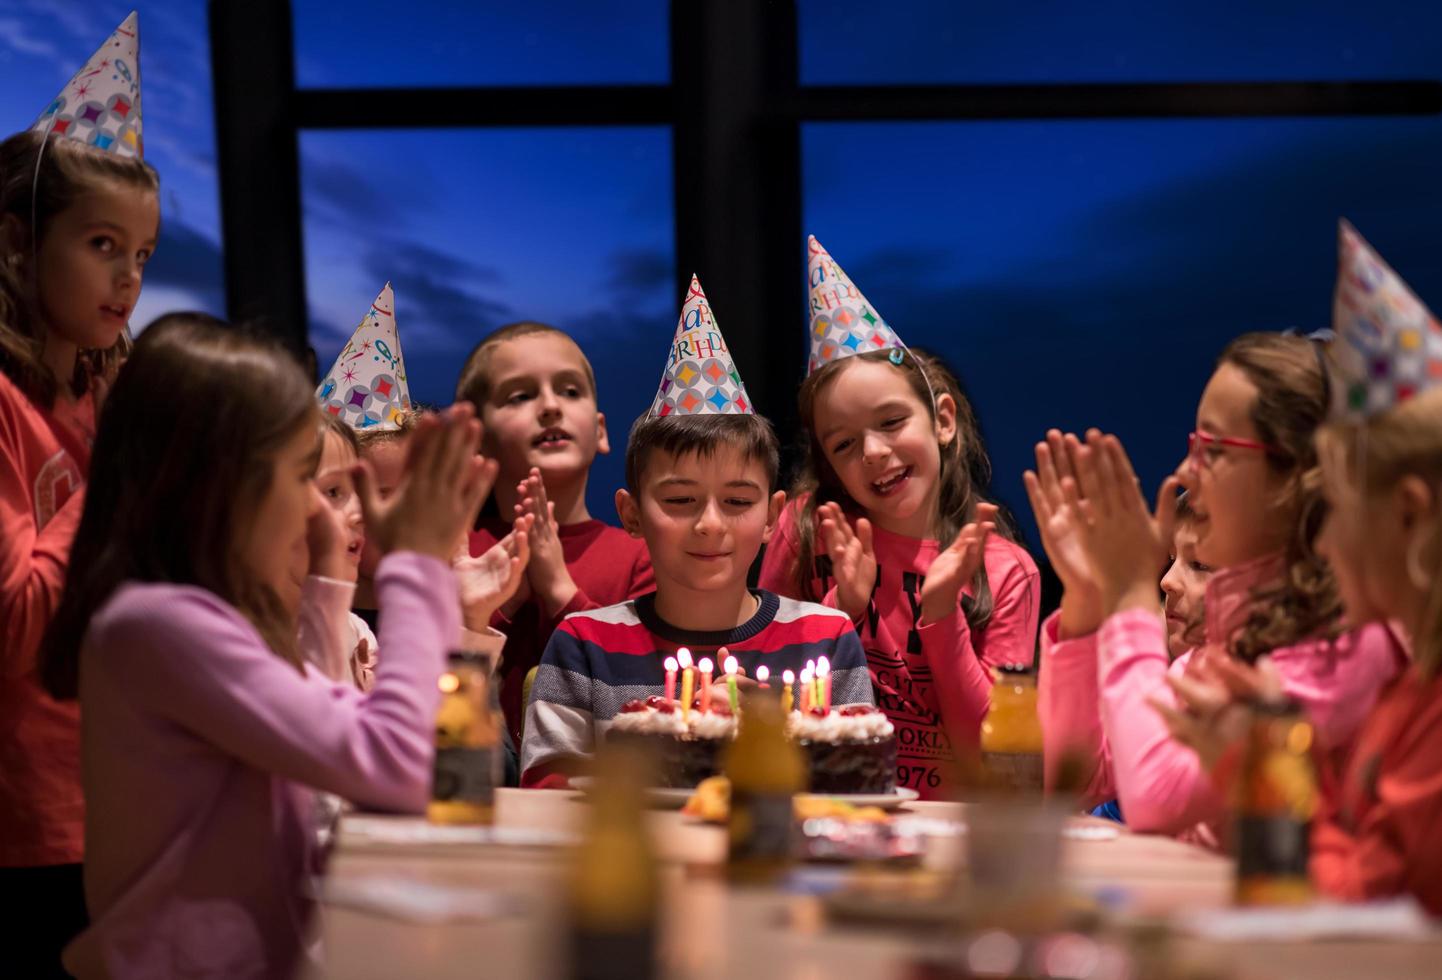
767 934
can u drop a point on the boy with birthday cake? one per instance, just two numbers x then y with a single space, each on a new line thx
701 471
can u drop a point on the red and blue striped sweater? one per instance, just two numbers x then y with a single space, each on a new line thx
599 659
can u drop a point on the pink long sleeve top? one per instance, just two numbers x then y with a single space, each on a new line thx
1159 783
933 680
198 745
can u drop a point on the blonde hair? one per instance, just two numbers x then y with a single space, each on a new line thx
1372 457
41 177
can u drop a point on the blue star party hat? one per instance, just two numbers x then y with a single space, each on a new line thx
366 386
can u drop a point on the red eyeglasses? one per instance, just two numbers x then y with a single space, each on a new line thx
1198 444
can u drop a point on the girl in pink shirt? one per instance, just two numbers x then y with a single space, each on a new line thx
204 730
1252 479
889 525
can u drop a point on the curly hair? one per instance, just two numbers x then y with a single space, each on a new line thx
1292 401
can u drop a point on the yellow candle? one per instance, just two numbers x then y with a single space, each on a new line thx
688 681
787 679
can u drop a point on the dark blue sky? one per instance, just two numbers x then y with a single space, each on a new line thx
1072 272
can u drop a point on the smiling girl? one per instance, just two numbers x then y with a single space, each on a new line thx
888 524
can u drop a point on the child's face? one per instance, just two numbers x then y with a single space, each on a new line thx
388 460
881 442
337 489
542 409
704 518
1364 541
1232 489
1185 585
273 546
91 260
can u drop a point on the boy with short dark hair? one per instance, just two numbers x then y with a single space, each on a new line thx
701 476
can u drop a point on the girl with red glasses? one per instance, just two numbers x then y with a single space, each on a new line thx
1252 478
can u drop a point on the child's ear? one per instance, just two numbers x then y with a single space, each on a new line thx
945 419
603 441
774 507
629 512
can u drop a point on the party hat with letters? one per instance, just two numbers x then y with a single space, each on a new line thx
700 377
842 322
101 104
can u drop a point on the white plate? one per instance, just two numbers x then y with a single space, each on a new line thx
666 798
657 797
886 801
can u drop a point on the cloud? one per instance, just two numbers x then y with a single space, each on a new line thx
639 270
186 259
17 36
437 292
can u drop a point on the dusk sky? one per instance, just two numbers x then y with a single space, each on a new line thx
1073 273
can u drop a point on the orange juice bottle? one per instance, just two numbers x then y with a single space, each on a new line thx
1011 745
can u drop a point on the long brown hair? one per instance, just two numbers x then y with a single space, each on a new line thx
964 479
182 459
1374 456
1291 403
67 170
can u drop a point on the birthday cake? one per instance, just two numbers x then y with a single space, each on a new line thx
688 749
850 750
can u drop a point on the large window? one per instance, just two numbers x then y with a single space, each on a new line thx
1088 273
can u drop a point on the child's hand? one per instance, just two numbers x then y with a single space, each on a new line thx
1211 717
853 559
1061 529
440 490
547 573
487 581
326 536
956 566
1126 544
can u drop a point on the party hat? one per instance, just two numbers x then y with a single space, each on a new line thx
366 386
700 377
842 321
101 104
1388 346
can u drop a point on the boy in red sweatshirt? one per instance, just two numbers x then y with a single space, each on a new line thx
535 393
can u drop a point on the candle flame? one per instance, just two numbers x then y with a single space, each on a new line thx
763 674
683 657
823 667
706 665
788 677
731 665
671 663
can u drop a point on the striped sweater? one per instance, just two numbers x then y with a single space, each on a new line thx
599 659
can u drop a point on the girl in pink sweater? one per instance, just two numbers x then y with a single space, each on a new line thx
178 632
1252 479
888 524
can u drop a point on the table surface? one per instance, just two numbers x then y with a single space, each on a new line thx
766 933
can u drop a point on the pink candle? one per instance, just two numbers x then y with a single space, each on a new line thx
671 678
705 667
823 680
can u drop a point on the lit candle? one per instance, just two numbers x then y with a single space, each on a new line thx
731 667
763 674
670 678
787 679
808 688
823 683
688 681
705 667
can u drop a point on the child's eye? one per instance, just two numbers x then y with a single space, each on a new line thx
739 502
893 423
841 447
1197 566
573 392
143 256
517 397
677 501
103 243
